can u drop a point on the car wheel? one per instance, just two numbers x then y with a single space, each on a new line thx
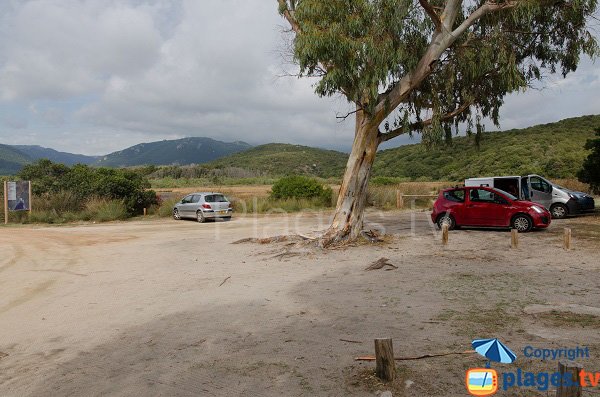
200 217
522 223
446 219
176 214
559 211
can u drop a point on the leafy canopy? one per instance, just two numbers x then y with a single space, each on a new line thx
366 49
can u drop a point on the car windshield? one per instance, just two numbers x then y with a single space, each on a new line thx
507 194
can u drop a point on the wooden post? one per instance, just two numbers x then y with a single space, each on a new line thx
145 211
30 198
5 202
385 366
567 239
399 199
514 238
444 234
573 369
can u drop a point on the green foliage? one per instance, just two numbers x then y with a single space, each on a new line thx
83 183
590 173
554 150
278 159
364 49
300 187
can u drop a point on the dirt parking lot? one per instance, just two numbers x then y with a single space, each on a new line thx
167 308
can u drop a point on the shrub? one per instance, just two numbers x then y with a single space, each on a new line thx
83 183
103 210
590 173
300 187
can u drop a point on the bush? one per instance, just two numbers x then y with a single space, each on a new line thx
83 183
103 210
300 187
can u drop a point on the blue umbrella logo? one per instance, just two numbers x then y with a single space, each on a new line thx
494 350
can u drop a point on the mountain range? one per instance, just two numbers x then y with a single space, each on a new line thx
555 150
167 152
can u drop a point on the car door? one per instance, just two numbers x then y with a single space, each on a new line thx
540 190
185 206
483 208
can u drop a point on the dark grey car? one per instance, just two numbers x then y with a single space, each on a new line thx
202 206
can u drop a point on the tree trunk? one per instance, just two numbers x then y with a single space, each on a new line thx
348 219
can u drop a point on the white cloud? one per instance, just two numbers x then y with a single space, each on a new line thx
95 76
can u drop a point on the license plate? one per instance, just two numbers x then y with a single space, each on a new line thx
222 212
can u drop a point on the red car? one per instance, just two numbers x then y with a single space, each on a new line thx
487 207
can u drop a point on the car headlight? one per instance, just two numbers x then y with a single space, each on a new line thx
572 196
537 209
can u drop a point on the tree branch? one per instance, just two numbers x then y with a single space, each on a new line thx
289 14
419 125
481 12
432 14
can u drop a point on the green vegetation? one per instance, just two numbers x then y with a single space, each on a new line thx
590 173
11 160
278 159
300 187
553 150
80 184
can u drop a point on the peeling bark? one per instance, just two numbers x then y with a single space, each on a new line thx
348 218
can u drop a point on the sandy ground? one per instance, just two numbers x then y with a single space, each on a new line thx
168 308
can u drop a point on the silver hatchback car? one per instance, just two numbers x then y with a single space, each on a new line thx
202 206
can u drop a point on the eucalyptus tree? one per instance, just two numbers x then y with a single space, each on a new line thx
427 66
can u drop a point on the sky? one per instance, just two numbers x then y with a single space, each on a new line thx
93 77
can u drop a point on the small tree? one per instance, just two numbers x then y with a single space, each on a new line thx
590 173
425 66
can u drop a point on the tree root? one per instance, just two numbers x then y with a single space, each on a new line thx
380 264
275 239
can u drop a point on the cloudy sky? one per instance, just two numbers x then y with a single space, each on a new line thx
93 77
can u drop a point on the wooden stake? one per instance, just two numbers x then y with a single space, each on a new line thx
573 369
5 202
385 366
399 199
30 197
567 239
145 211
445 234
514 238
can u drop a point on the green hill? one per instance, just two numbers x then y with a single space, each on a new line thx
11 160
284 159
172 152
553 150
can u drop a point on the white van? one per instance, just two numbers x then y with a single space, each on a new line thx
558 200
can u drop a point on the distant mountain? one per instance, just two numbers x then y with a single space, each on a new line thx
37 152
285 159
172 152
12 160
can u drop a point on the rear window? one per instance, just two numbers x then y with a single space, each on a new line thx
215 198
455 195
